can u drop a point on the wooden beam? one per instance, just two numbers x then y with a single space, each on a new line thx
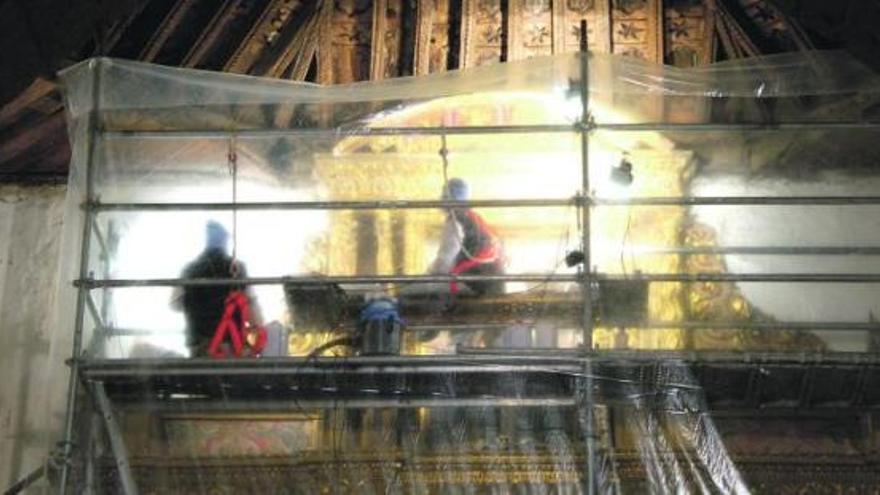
35 92
114 34
659 34
468 36
289 44
602 31
514 21
386 34
16 144
724 37
256 40
212 33
303 60
709 42
49 161
169 24
558 14
47 105
325 44
377 48
742 44
424 30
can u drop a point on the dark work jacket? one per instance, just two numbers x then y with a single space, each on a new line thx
480 253
478 241
204 306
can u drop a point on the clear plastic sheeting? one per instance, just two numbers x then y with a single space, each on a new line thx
573 274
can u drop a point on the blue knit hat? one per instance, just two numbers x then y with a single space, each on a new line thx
456 189
216 235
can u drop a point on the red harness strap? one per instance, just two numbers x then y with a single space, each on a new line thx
486 255
235 317
489 253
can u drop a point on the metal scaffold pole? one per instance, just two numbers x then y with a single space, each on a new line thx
581 371
586 393
339 132
82 292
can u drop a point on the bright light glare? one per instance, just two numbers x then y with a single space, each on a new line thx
160 244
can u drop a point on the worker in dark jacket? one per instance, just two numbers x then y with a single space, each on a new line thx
469 245
204 306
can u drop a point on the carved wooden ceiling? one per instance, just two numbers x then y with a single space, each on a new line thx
340 41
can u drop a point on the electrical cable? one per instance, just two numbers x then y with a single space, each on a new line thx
624 241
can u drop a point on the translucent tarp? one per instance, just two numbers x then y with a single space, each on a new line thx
696 217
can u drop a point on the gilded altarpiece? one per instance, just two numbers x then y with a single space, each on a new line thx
292 448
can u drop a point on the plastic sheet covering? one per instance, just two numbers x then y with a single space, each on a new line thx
711 234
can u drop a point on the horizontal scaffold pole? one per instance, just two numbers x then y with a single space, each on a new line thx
342 132
494 203
737 126
631 324
566 361
526 277
338 205
335 133
738 200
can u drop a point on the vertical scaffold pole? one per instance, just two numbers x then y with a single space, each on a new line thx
117 444
586 394
82 292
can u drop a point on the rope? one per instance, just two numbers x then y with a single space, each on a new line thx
232 158
444 155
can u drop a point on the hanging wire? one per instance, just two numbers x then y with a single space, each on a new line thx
232 162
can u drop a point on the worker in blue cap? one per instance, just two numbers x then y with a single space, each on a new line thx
203 306
469 245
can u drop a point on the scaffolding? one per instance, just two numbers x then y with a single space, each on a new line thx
538 377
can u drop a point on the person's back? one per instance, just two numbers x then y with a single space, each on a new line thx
481 254
203 306
480 251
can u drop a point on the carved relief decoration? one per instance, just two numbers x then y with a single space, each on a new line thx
581 7
723 301
483 32
530 29
635 29
567 21
486 31
689 38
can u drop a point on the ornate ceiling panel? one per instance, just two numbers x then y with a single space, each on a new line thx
343 41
